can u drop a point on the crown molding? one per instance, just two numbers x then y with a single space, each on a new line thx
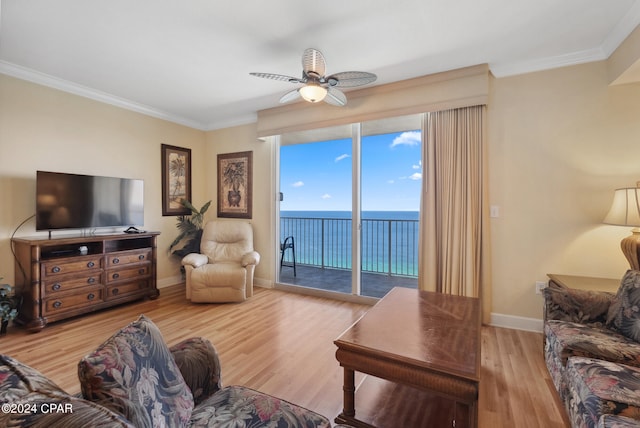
627 24
523 67
43 79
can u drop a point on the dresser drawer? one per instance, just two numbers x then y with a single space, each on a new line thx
115 291
77 264
128 257
72 301
133 272
62 284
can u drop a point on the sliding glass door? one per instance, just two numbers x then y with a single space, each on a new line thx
350 193
390 183
316 209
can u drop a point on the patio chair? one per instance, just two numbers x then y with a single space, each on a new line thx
289 243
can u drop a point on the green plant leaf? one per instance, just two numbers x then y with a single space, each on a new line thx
205 207
189 228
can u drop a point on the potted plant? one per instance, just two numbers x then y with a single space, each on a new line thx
9 304
190 227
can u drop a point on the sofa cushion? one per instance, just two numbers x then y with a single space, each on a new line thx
600 387
60 410
575 305
199 364
134 373
17 380
568 339
239 406
615 421
624 312
40 402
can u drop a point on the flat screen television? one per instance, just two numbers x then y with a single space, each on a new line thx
75 201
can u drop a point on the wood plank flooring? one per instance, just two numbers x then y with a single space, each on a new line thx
282 344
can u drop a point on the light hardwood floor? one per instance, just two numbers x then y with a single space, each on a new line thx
282 344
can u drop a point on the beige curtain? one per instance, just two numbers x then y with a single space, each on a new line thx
454 244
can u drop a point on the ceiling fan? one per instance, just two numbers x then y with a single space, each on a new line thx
318 87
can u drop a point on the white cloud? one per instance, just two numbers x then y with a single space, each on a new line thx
342 157
417 166
408 138
391 181
416 176
298 184
326 196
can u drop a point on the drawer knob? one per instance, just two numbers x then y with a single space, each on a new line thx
57 304
56 269
115 291
56 286
141 257
116 261
115 276
91 264
141 271
91 280
91 296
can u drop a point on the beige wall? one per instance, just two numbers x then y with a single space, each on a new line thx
42 128
560 141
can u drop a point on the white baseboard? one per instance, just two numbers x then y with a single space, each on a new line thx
167 282
518 323
177 279
264 283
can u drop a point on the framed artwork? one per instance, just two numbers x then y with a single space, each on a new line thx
176 179
235 183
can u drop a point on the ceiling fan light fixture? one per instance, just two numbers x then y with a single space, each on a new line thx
313 93
318 87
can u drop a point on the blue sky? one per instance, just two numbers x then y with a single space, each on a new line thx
317 176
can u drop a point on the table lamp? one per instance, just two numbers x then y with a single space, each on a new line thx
625 211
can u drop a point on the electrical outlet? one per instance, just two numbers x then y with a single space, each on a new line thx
540 285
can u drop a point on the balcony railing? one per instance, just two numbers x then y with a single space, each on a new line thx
389 246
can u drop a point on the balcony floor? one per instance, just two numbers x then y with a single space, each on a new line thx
373 285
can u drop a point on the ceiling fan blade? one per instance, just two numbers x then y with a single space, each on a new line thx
280 77
335 97
313 60
349 79
290 96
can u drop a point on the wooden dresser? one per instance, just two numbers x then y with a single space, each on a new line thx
64 277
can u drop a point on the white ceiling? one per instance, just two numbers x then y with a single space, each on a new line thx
188 61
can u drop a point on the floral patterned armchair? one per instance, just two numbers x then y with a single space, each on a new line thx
135 380
592 351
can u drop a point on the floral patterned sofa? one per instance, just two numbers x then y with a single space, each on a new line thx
135 380
592 352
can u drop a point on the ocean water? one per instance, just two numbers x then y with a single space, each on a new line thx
387 215
323 239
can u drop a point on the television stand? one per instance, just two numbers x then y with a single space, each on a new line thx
59 278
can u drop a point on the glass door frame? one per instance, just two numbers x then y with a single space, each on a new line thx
356 135
356 212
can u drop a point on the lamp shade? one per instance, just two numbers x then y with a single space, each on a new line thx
313 93
625 209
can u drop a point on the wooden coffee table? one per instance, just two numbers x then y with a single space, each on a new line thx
427 346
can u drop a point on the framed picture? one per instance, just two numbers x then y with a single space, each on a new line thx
235 183
176 179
